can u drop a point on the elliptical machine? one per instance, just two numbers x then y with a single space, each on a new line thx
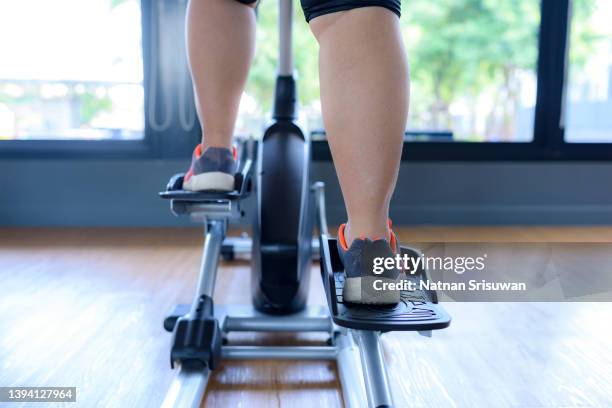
276 172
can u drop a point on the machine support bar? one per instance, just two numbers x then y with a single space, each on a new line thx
241 247
215 233
285 31
350 372
318 189
187 389
279 353
277 324
374 371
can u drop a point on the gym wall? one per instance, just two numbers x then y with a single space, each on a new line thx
124 193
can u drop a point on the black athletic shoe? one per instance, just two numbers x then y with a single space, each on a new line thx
367 281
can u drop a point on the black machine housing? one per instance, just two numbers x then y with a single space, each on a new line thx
282 229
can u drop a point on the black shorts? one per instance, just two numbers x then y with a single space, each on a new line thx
316 8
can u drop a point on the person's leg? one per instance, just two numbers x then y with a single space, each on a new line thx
220 43
364 81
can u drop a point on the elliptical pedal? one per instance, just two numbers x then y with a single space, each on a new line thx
417 310
197 203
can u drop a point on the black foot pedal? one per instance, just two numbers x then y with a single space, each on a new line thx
417 310
197 338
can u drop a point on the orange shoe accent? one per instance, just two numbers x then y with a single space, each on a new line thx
392 237
341 237
393 241
198 150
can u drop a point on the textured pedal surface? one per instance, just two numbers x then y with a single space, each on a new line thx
415 311
415 308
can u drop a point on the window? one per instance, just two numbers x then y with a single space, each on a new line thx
588 112
473 67
71 69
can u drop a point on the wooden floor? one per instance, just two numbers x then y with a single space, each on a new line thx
84 308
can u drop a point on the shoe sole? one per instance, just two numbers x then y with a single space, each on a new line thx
353 292
210 181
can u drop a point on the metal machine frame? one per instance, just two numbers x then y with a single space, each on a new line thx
358 353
